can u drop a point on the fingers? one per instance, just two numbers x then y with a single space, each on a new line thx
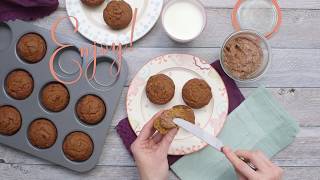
255 157
157 137
238 164
167 139
148 130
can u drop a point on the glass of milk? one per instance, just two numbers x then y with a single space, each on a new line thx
184 20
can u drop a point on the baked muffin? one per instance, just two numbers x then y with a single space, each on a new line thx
117 14
160 89
92 3
196 93
19 84
184 112
165 121
91 109
55 97
31 48
10 120
42 133
77 146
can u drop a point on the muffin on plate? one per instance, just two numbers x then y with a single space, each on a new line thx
42 133
19 84
55 97
117 14
165 121
184 112
31 48
77 146
196 93
90 109
10 120
160 89
92 3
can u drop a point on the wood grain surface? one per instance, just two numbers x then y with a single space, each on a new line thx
293 79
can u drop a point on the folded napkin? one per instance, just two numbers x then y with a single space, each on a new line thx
235 98
258 123
26 9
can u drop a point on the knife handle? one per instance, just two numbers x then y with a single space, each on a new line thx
252 166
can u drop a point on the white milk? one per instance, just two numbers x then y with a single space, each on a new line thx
183 20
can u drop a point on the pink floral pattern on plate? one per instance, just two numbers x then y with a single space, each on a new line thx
181 68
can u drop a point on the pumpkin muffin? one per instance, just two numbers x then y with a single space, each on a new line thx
10 120
77 146
19 84
184 112
117 14
90 109
55 97
42 133
31 48
196 93
160 89
92 3
165 121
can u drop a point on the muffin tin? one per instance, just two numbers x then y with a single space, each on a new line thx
106 86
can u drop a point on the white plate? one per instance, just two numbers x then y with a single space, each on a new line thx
93 27
181 68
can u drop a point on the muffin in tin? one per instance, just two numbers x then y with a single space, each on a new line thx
42 133
77 146
90 109
19 84
31 48
55 97
10 120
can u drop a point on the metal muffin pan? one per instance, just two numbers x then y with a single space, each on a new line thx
66 121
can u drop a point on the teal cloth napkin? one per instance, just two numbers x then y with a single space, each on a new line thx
259 123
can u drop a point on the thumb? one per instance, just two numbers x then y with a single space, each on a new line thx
167 139
238 164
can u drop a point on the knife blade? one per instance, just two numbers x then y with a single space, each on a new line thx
205 136
200 133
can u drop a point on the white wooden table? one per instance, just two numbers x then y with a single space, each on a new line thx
293 78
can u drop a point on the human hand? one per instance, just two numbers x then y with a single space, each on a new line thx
150 152
266 170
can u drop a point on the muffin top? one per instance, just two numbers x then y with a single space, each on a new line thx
164 121
184 112
31 48
55 96
78 146
92 3
117 14
160 89
90 109
19 84
196 93
42 133
10 120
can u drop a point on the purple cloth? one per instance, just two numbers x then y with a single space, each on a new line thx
26 9
235 98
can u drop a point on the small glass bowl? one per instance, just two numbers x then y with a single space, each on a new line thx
262 42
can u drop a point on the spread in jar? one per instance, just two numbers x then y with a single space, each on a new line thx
242 57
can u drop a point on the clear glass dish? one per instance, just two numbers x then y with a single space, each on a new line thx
258 39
